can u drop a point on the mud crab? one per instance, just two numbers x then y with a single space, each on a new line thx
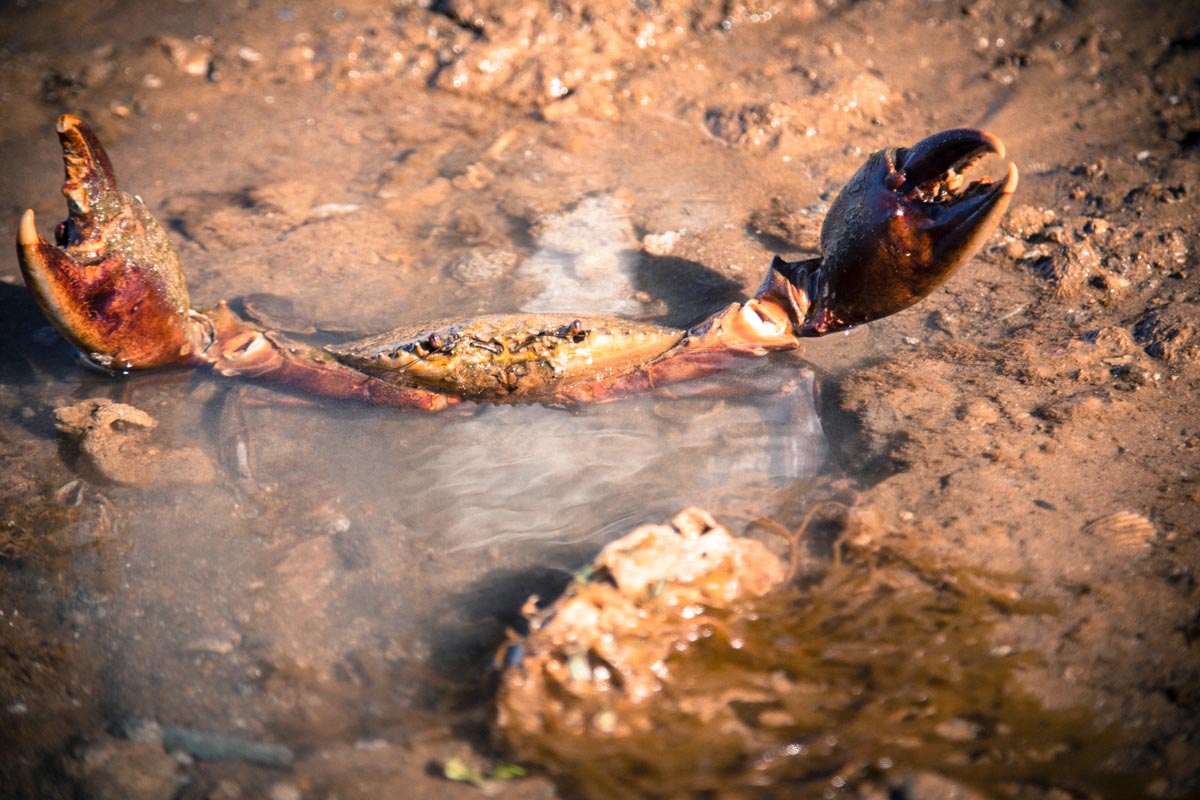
113 286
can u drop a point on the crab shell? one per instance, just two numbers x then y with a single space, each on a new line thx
510 357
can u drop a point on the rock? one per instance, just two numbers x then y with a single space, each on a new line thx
218 747
687 554
126 770
115 442
660 244
482 265
190 57
1027 222
859 95
931 786
595 658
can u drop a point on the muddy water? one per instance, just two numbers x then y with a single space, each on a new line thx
377 164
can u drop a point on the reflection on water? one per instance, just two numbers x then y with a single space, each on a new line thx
510 474
584 259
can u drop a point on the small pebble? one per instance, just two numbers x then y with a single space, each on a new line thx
483 265
225 790
283 791
660 244
958 729
219 644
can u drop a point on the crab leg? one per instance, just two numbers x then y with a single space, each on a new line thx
240 349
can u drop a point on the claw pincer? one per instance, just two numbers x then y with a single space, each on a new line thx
900 227
113 285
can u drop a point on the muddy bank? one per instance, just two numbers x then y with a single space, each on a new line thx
377 164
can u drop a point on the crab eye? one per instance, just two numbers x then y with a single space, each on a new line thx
435 342
574 331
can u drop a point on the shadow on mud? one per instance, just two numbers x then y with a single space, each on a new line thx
20 323
689 289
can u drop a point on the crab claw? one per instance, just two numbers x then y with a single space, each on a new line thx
111 283
903 223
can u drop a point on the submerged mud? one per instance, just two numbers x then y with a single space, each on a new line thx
329 582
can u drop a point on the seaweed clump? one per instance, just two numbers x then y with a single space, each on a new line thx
687 661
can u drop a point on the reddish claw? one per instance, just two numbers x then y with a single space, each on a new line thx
111 283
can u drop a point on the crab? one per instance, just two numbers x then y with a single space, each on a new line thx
112 284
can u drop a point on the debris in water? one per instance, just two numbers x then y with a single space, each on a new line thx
1125 529
215 747
457 769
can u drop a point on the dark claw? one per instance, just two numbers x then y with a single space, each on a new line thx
899 228
112 283
935 155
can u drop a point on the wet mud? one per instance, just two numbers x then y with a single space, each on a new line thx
211 590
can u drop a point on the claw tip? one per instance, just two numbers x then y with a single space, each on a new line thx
1010 182
67 122
994 144
27 235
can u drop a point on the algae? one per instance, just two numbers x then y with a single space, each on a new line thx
881 665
